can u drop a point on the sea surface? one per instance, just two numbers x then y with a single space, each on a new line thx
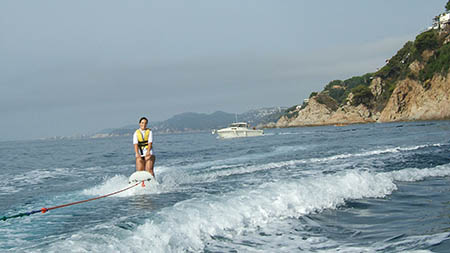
356 188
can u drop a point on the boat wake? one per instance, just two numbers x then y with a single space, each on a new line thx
199 172
193 224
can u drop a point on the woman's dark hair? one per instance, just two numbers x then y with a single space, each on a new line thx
143 119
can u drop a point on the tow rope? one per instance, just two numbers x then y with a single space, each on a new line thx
44 210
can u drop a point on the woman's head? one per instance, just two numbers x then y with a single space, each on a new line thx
143 123
143 118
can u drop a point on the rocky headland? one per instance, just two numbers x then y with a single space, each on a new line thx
413 85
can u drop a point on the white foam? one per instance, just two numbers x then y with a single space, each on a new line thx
412 175
118 183
290 133
215 164
17 182
190 224
372 153
225 170
289 149
8 189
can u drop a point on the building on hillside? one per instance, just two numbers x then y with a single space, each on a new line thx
441 22
305 102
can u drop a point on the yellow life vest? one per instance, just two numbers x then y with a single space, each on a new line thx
143 140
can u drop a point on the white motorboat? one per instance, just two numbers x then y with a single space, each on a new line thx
238 129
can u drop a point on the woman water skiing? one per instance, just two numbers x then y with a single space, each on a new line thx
143 147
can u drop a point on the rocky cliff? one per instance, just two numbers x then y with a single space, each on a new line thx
409 101
414 85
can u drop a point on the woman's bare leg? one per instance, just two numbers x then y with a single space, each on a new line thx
149 164
140 164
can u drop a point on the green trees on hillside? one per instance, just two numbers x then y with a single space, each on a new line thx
313 94
338 94
447 6
427 41
397 68
361 95
439 63
398 63
334 83
327 101
339 90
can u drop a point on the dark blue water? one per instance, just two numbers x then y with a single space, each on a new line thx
358 188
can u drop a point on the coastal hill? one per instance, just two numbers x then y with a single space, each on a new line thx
196 122
193 122
413 85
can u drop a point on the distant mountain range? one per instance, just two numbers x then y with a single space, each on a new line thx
197 122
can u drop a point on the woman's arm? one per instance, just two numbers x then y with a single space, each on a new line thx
136 150
149 149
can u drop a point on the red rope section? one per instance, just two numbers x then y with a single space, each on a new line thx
43 210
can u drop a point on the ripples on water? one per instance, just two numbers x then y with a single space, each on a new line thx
358 188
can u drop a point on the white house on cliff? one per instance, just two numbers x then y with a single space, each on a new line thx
441 22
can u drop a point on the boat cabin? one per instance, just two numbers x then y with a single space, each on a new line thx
239 124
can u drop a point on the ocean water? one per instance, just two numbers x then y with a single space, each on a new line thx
357 188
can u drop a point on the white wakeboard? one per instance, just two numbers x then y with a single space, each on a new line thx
140 176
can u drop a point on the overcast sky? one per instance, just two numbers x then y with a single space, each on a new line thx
76 67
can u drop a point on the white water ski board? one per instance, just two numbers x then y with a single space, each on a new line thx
140 176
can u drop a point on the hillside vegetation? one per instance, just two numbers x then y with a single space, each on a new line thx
413 85
430 52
